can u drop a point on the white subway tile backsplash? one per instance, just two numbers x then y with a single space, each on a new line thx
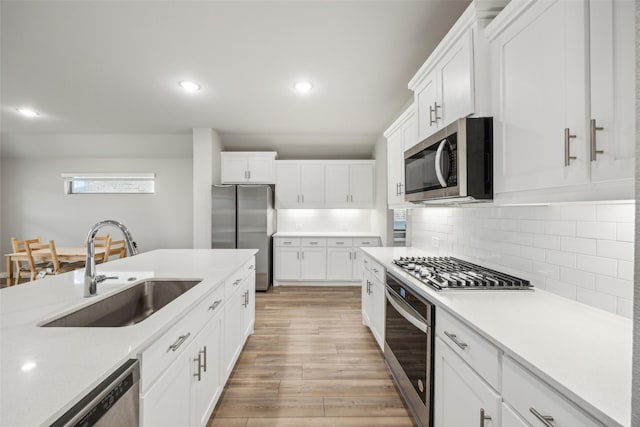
597 230
560 228
606 266
613 286
625 270
582 251
624 232
616 213
618 250
578 245
597 299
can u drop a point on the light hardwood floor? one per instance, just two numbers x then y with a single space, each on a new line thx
310 362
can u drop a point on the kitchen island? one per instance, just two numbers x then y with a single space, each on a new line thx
572 351
45 371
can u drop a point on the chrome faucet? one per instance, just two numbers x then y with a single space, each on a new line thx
90 279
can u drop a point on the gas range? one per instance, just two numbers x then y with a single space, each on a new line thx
451 273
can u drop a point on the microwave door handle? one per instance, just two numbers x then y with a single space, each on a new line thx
438 162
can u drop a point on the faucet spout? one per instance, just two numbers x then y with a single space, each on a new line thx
90 279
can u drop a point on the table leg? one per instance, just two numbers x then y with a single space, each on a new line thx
9 271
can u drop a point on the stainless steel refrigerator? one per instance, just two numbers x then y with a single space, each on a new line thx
242 217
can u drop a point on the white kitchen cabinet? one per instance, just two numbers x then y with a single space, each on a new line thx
426 98
247 167
534 401
350 185
249 305
313 264
233 330
461 397
561 69
373 298
612 64
207 376
287 263
340 263
401 135
299 185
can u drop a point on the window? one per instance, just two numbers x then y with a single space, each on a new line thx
109 183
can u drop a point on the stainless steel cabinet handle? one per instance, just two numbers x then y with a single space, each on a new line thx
354 255
397 188
347 198
237 282
313 243
567 149
401 191
352 198
302 254
454 338
203 352
594 150
251 267
431 121
298 198
249 172
198 374
298 255
435 111
375 270
179 341
215 304
483 417
350 256
302 197
547 420
339 243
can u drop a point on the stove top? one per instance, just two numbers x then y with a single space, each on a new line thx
452 273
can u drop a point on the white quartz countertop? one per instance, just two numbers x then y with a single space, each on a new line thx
583 352
325 234
44 371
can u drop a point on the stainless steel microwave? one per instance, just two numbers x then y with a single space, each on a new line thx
453 165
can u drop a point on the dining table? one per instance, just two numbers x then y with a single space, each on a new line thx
65 254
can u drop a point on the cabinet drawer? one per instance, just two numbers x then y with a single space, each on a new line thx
366 241
280 241
528 395
340 242
377 270
307 241
481 355
366 262
232 284
157 357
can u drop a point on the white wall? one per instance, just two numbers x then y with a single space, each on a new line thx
583 251
206 171
33 201
326 220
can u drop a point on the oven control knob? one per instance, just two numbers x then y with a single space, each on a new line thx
421 386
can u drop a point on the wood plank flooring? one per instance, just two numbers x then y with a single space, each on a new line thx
310 362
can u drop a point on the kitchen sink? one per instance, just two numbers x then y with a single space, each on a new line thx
128 307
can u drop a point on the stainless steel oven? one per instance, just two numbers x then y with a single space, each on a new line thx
408 347
455 163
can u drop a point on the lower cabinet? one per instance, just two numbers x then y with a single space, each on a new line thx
373 299
340 263
461 397
207 372
233 336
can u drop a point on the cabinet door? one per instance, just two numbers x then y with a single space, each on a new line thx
313 263
378 304
260 170
456 82
234 170
425 99
460 395
339 264
395 168
510 418
312 186
168 401
207 362
337 186
539 64
288 186
362 183
611 42
233 333
287 263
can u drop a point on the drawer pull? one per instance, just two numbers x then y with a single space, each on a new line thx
454 338
313 243
375 270
179 341
483 417
365 243
198 374
339 243
203 352
547 420
251 267
286 243
237 282
215 304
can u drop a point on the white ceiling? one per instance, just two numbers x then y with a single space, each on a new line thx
113 67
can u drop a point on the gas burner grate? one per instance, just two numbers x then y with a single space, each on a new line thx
453 273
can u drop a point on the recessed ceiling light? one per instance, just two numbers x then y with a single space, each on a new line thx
189 86
28 366
303 86
27 112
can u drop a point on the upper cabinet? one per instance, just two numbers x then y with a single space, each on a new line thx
310 184
401 135
299 184
248 167
563 100
453 82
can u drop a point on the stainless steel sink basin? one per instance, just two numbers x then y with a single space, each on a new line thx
127 307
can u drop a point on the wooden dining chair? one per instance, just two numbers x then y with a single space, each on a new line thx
117 247
52 264
23 268
102 242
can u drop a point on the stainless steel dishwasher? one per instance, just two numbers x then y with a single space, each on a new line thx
115 402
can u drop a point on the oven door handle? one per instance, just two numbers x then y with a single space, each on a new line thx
438 162
397 304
